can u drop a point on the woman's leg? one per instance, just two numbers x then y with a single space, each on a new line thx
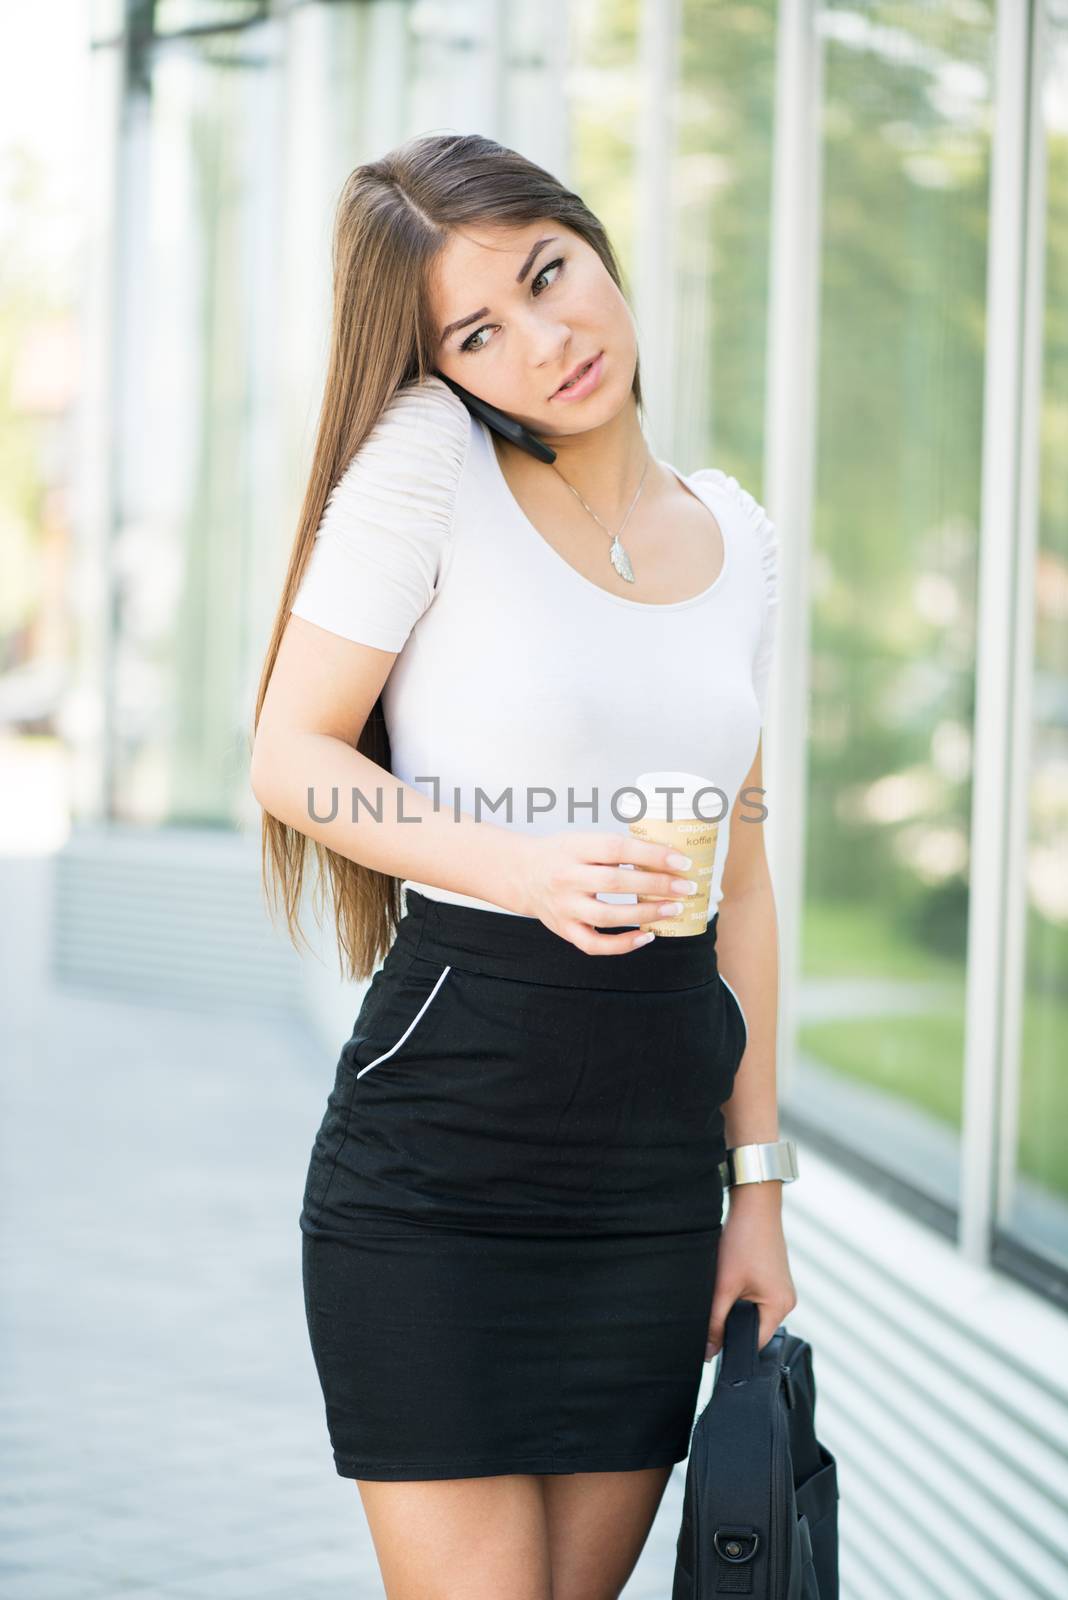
598 1523
460 1538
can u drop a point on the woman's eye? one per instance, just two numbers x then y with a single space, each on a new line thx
470 344
557 263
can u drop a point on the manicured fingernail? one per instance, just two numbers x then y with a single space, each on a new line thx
643 938
677 860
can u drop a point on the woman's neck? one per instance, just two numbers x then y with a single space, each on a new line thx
604 463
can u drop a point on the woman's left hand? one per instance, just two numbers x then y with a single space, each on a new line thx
752 1263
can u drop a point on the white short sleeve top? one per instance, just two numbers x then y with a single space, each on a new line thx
387 522
523 693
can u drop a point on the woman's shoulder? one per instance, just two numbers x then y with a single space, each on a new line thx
759 528
379 549
421 437
431 401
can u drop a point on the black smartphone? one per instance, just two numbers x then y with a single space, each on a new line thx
501 422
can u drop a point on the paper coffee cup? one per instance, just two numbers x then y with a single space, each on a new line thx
685 831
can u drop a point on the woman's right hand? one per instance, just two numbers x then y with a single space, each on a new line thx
561 874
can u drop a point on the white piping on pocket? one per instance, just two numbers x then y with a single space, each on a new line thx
394 1047
741 1009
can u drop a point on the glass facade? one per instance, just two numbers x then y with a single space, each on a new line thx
235 125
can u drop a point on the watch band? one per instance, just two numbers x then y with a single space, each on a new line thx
759 1163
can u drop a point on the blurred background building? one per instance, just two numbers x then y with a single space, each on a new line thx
844 224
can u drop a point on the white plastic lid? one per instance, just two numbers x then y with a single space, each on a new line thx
684 786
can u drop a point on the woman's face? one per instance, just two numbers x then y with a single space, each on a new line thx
534 303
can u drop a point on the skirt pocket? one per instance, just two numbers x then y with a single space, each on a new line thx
402 1012
395 1016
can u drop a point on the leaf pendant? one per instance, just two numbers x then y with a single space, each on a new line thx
621 561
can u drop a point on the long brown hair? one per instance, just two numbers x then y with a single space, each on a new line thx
393 218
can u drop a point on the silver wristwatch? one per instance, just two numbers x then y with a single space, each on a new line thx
758 1163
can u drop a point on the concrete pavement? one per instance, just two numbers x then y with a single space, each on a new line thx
161 1423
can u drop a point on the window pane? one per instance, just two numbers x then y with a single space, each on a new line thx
722 245
603 114
192 331
907 119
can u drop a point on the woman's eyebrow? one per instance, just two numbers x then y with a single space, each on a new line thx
483 311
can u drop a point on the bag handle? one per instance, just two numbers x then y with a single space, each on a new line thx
740 1349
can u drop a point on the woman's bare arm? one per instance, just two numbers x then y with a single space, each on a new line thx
747 951
322 691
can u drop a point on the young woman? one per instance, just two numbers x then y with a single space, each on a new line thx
514 1253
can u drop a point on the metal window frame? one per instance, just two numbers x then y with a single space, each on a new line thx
1006 580
1006 1249
790 432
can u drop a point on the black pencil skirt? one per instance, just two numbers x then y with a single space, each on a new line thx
513 1204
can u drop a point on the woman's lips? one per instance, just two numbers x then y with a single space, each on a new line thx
582 386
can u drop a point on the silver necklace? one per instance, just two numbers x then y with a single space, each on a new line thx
616 554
